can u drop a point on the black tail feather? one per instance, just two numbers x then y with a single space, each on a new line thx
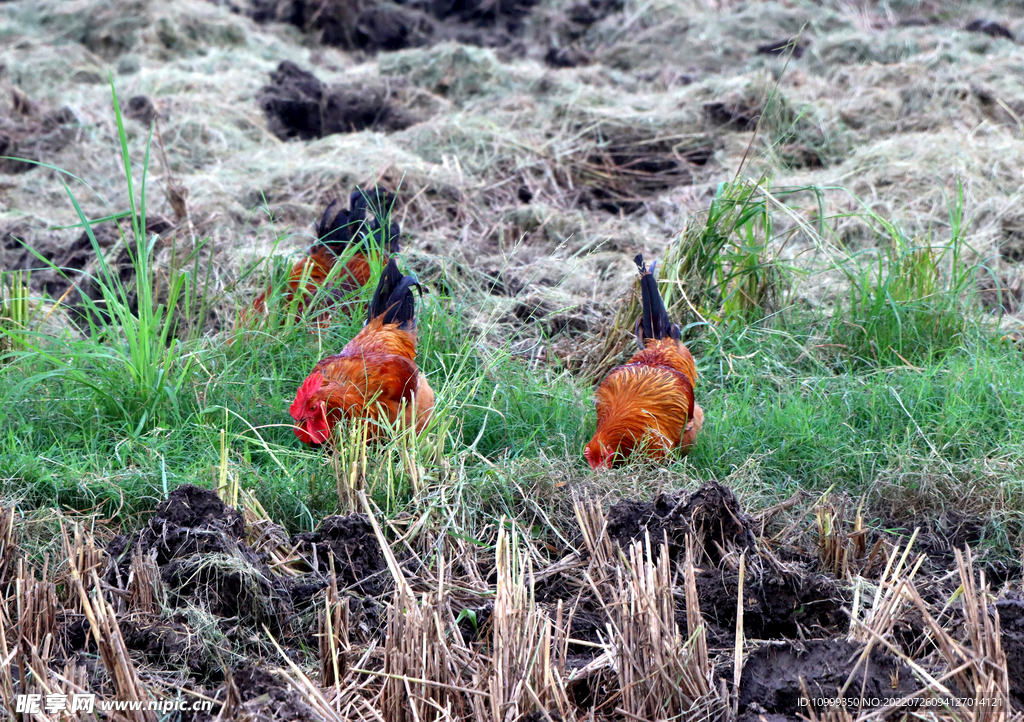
333 228
393 299
388 239
339 227
654 322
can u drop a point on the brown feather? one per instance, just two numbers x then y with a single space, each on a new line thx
647 403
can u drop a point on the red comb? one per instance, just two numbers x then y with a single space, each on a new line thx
309 387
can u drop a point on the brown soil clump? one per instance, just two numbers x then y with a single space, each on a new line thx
711 513
385 25
298 105
358 561
26 134
199 548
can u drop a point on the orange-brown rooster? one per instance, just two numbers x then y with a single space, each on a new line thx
648 403
375 375
338 229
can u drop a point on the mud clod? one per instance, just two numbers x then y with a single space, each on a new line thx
783 47
265 695
358 561
170 644
141 108
712 514
200 549
299 105
27 136
771 675
377 25
990 28
775 606
734 115
568 57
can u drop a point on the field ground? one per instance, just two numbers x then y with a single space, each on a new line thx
833 194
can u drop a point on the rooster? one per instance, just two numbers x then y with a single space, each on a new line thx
337 230
648 403
374 375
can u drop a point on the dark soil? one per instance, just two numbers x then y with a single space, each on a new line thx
170 645
265 695
141 108
1011 620
567 57
777 605
771 675
999 292
712 514
76 263
734 115
624 167
26 135
353 546
375 25
198 544
990 28
784 47
298 105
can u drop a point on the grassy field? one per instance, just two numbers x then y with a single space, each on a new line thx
837 231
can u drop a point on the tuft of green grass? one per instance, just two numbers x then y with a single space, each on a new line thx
909 300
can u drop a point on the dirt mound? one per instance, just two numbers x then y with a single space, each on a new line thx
712 514
376 25
26 132
777 605
298 105
772 674
732 114
358 561
141 108
784 47
171 645
197 543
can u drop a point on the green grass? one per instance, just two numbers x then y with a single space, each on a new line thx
111 423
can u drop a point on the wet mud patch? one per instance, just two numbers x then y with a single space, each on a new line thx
298 105
772 673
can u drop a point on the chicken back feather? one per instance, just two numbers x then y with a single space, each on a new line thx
375 376
648 404
337 231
